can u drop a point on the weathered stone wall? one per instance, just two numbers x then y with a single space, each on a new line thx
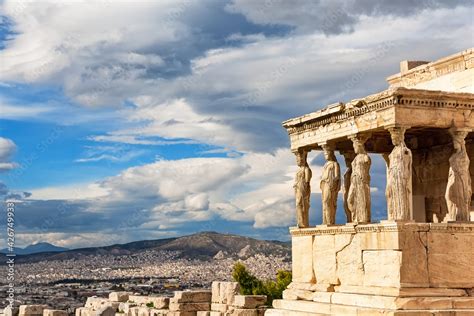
381 269
390 255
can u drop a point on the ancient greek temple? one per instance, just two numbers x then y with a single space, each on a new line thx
419 258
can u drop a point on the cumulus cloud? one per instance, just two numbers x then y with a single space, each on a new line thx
104 53
238 96
7 148
168 196
230 83
175 196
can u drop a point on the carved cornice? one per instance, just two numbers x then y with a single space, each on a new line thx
351 113
454 227
401 97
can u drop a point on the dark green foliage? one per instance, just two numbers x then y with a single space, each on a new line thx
150 305
251 285
246 280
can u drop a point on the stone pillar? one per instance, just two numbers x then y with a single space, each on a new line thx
330 185
302 188
358 199
399 191
348 158
459 190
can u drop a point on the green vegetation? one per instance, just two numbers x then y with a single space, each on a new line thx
150 305
121 311
251 285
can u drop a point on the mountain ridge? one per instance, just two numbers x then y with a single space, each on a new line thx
203 245
36 248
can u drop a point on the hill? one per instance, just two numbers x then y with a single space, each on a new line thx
203 246
36 248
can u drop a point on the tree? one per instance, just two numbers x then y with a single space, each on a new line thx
251 285
247 281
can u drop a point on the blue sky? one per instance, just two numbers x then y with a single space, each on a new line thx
128 121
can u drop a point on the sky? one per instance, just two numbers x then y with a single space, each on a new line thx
124 121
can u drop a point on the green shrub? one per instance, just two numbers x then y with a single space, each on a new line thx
150 305
251 285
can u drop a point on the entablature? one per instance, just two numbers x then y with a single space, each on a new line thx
413 108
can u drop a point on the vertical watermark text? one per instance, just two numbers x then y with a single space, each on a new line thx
10 255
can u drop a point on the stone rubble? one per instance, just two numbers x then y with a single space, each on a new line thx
223 300
32 310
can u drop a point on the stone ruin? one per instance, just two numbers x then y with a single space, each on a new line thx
420 259
222 300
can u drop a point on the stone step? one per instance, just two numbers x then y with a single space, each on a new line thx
282 312
302 306
404 303
400 292
307 308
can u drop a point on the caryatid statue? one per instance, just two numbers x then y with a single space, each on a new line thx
358 200
348 158
399 178
458 191
302 189
330 185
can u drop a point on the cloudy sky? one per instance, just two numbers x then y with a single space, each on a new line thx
124 121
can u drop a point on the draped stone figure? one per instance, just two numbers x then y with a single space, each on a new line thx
399 178
459 191
330 185
359 191
348 158
302 189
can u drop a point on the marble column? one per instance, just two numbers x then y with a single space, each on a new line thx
348 158
302 188
358 199
459 190
330 185
399 178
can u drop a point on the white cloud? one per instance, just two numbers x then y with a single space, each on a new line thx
78 240
237 96
8 111
230 96
72 192
88 47
7 166
177 119
7 149
118 156
178 192
168 196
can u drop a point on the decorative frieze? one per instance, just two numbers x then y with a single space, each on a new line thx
383 227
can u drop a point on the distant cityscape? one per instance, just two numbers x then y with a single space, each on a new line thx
66 284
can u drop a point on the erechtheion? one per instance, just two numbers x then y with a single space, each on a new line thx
419 259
